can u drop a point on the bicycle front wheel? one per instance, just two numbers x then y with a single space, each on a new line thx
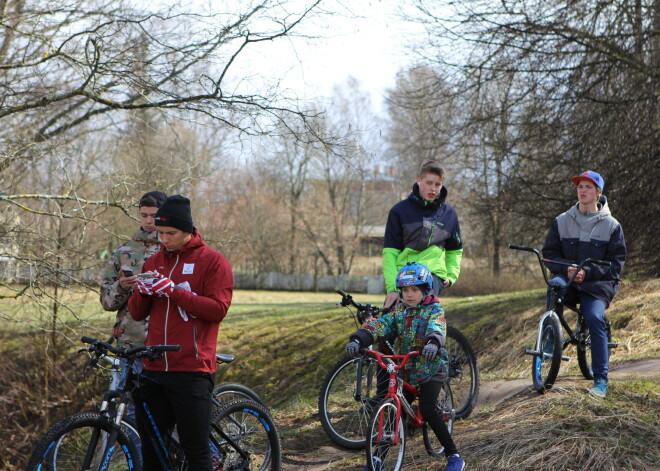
547 361
386 439
444 405
347 399
246 437
463 372
81 442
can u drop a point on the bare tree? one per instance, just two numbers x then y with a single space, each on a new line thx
592 69
422 119
94 101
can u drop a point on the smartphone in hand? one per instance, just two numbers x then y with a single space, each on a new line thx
127 272
145 276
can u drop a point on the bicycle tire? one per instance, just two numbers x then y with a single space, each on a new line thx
380 435
228 392
445 405
250 426
344 417
463 373
64 446
545 366
584 348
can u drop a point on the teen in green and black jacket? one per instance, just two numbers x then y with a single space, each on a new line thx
424 229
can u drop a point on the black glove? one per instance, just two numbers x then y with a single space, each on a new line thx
353 348
429 351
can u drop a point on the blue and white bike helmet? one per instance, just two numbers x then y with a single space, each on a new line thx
415 274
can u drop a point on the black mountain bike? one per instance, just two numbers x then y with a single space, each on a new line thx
550 344
243 435
349 391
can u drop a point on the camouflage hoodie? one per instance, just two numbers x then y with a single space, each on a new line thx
133 254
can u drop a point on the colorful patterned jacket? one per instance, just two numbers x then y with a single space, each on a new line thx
413 328
133 254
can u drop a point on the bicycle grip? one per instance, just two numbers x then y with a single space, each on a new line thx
599 262
341 292
88 340
168 348
520 247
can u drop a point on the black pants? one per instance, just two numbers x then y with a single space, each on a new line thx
428 395
181 398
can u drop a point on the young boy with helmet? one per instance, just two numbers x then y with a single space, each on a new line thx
417 323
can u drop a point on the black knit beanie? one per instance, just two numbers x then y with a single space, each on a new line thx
152 199
175 212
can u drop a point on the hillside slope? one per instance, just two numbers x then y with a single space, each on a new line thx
284 351
513 428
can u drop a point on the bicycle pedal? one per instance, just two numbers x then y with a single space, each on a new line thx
565 358
534 353
612 345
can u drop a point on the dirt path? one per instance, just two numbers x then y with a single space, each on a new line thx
311 450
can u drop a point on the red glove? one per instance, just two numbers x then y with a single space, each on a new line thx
162 286
145 288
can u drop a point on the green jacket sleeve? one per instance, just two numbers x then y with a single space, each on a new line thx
390 270
453 264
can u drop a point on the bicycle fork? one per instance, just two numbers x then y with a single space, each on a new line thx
537 352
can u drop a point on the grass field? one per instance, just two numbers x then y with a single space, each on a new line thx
285 343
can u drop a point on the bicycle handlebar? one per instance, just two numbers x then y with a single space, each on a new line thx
559 262
381 356
364 310
102 348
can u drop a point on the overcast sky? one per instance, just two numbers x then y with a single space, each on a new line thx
369 46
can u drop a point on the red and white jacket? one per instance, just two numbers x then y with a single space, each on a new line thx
211 282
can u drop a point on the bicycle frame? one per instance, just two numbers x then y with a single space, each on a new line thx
550 345
561 319
396 387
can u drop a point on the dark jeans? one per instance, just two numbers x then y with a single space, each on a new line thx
176 398
594 315
438 285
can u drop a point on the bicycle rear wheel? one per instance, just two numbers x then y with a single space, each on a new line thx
444 405
584 347
345 409
228 392
386 440
463 372
246 436
81 442
545 365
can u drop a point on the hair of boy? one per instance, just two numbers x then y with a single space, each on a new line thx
152 199
431 166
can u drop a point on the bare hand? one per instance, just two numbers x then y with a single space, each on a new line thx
447 283
579 278
127 282
391 299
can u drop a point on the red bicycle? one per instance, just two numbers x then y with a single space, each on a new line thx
395 417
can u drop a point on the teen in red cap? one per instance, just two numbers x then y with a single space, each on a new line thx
588 230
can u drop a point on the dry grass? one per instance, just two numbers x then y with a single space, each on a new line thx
568 430
286 342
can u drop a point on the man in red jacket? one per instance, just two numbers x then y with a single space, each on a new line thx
186 300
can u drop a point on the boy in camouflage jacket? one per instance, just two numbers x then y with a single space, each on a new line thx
117 288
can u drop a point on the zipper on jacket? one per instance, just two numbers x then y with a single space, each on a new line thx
195 340
167 314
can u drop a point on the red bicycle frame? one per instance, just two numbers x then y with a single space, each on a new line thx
395 390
